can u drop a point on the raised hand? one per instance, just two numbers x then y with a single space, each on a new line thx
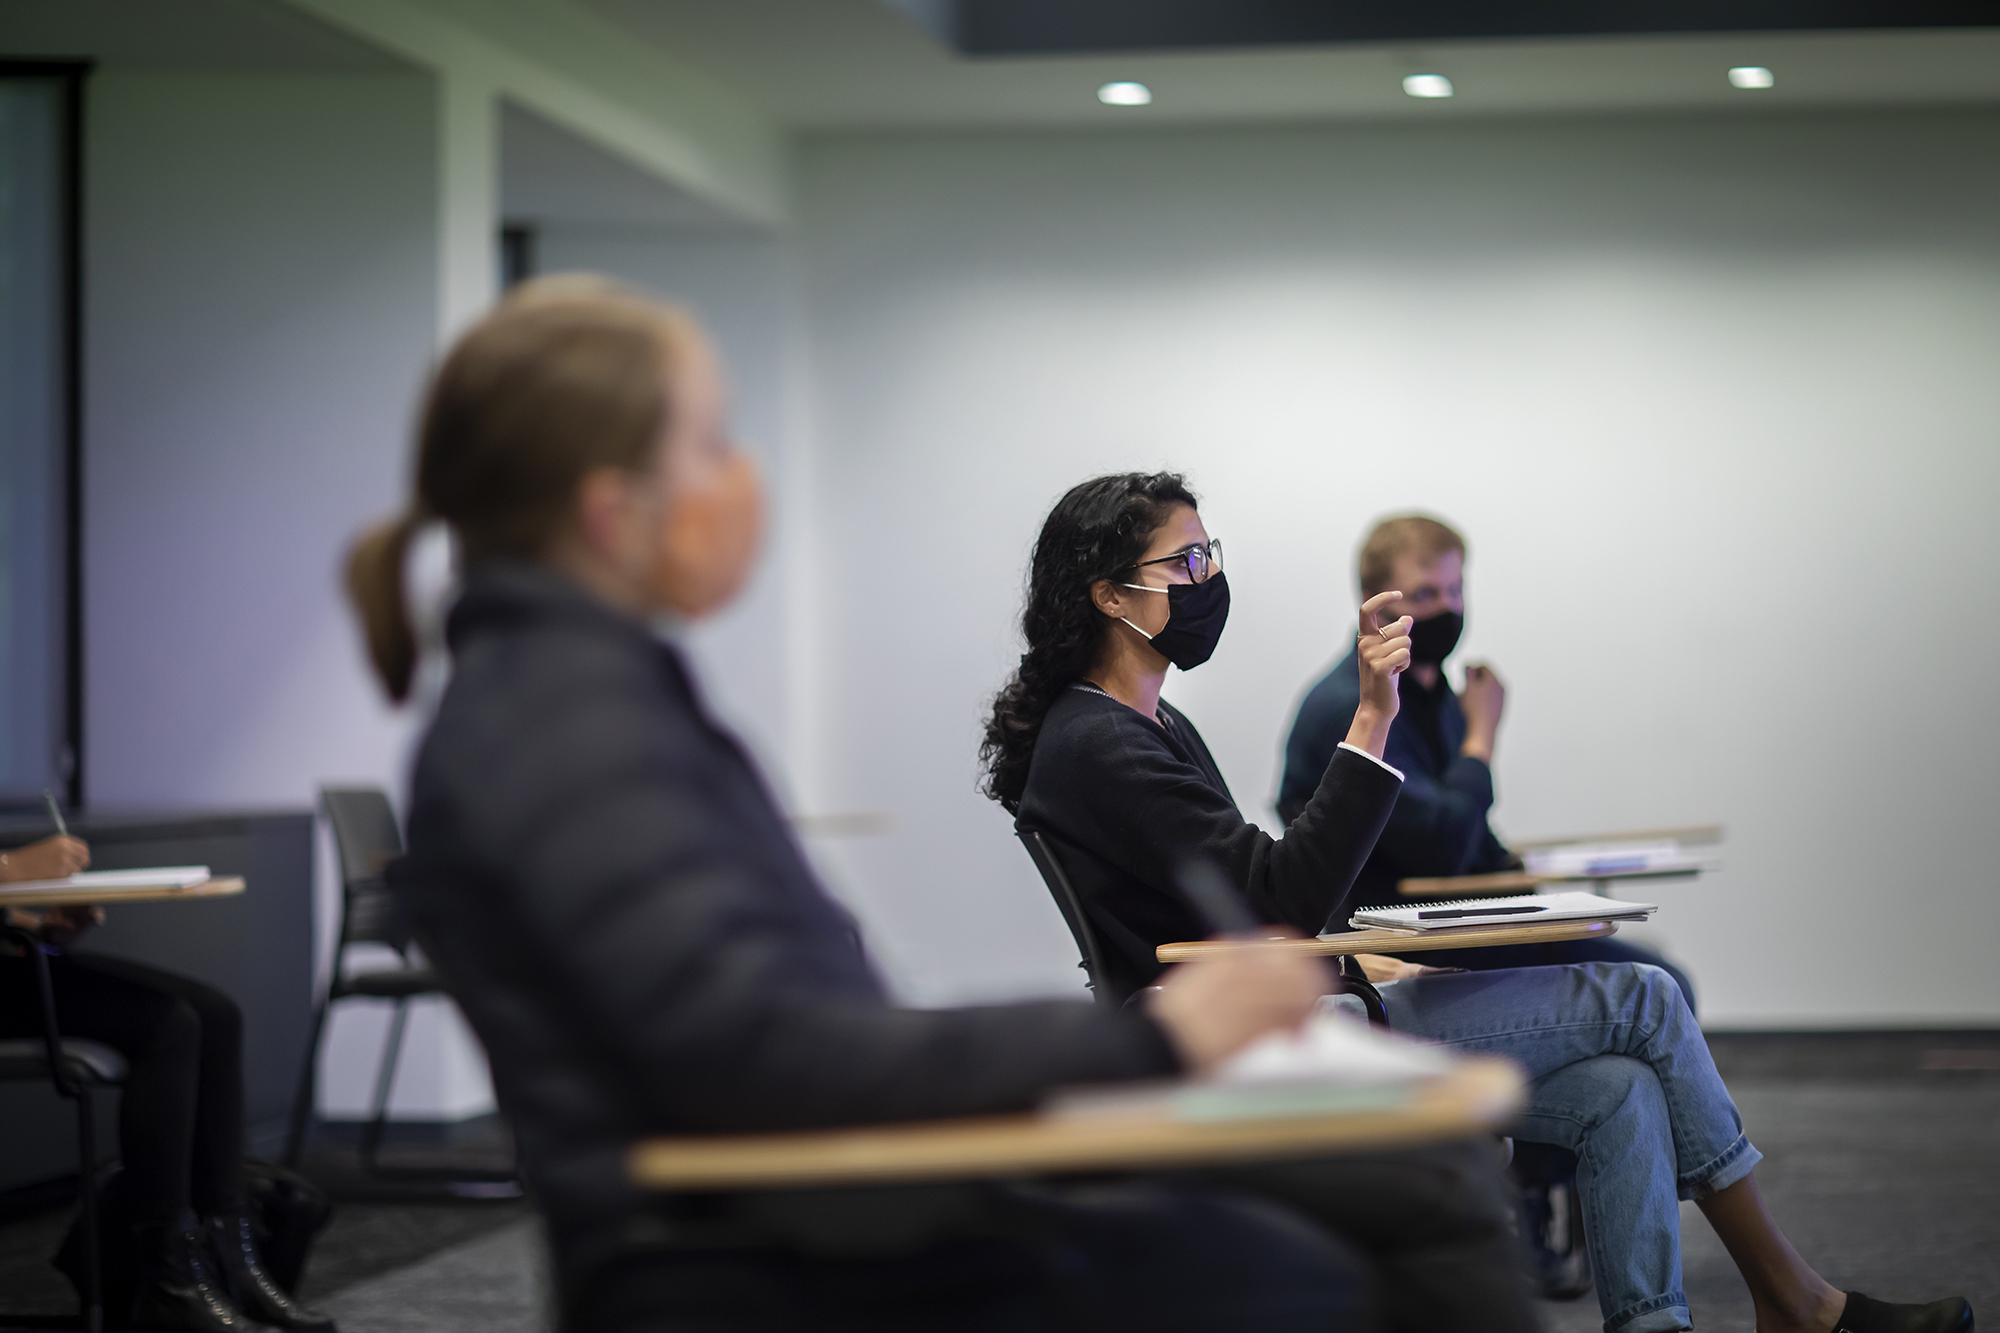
1484 699
1383 653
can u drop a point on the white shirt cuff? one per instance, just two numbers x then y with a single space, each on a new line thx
1355 749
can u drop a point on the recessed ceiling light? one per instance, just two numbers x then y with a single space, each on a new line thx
1124 94
1752 76
1427 85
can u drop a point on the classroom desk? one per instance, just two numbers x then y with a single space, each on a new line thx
1480 1095
1392 941
1523 881
220 886
255 947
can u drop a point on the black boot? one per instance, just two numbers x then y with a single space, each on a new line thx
180 1290
256 1292
1864 1314
1551 1228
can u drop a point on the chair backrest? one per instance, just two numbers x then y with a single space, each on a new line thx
366 838
1042 851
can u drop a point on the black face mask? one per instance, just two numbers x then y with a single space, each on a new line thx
1196 613
1433 638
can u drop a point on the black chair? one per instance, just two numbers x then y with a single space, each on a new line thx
366 839
1042 851
75 1068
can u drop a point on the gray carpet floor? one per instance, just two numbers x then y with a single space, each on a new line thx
495 1284
1882 1161
1892 1188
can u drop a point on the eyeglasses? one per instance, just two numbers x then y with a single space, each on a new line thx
1199 560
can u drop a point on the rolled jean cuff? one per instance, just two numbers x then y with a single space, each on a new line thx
1733 1163
1662 1314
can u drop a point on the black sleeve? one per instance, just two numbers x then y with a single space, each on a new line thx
670 938
1154 812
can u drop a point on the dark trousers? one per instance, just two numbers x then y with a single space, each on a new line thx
1413 1240
180 1119
1546 955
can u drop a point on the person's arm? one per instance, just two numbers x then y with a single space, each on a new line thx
684 942
1483 699
1438 827
51 858
1132 801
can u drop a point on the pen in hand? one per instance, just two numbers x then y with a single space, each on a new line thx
55 811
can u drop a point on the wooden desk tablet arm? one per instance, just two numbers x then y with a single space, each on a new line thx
1395 942
1479 1095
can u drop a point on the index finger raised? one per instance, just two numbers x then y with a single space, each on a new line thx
1371 621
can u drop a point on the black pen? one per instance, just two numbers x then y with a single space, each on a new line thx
1210 894
1476 911
55 811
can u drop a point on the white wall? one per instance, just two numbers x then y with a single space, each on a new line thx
261 311
1712 397
741 285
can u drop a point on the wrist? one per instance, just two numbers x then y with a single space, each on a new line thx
1478 747
1370 730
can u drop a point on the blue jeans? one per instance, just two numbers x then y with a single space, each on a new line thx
1621 1076
1569 951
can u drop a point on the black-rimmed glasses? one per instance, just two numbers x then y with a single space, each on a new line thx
1199 560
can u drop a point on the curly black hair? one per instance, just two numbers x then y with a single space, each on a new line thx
1099 529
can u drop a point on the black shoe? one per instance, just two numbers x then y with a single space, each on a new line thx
180 1290
1864 1314
256 1292
1551 1227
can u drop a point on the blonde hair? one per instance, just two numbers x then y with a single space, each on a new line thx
1405 534
566 375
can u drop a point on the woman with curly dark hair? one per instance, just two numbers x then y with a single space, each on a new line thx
1126 582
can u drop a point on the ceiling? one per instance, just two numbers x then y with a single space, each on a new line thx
183 34
1047 27
838 65
551 176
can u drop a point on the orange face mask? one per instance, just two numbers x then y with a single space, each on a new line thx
710 545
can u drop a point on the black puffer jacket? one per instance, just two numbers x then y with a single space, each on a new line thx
612 897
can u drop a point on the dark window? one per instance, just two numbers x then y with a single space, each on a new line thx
517 253
41 720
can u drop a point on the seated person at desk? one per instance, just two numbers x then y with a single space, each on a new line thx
180 1113
1441 741
599 873
1125 581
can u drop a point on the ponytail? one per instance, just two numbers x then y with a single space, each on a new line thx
375 586
567 374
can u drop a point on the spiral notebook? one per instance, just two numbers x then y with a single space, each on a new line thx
1528 909
113 881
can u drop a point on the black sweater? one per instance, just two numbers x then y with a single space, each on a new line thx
1129 801
613 898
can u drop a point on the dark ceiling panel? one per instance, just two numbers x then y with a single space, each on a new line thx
1049 27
